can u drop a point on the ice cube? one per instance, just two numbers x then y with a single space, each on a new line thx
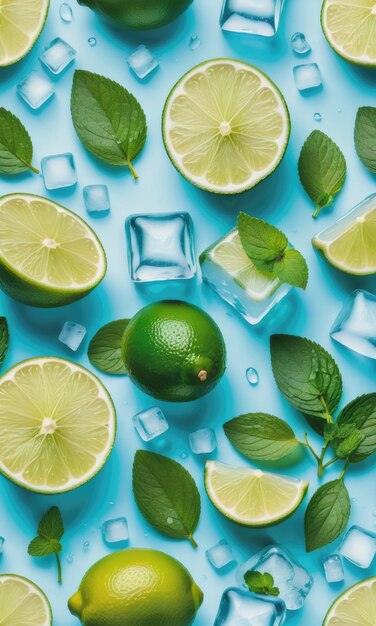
359 546
292 579
142 62
36 89
2 541
115 532
203 441
307 76
72 334
97 199
333 568
220 555
57 56
160 247
355 325
253 17
243 608
150 423
66 12
59 171
299 44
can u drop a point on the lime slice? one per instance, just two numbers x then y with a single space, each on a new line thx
57 425
350 28
252 497
225 126
21 22
22 603
48 255
354 607
349 244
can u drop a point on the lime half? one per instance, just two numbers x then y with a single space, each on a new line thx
225 126
252 497
57 425
48 255
21 22
355 607
22 603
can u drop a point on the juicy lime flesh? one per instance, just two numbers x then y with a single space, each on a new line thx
226 126
355 607
350 26
56 425
20 24
22 603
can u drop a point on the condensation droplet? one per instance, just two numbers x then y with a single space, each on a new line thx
317 117
170 520
86 546
252 376
70 558
194 42
65 12
92 41
183 456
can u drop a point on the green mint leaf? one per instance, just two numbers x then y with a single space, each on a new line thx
261 241
104 350
262 583
349 444
16 149
322 169
166 495
327 515
108 120
4 339
292 268
361 413
42 546
261 437
365 137
330 432
306 374
50 531
334 431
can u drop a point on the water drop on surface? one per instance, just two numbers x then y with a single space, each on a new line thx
86 546
194 42
252 376
70 558
339 110
317 117
184 456
92 41
170 520
65 12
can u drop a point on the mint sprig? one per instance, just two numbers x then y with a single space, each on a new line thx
262 583
16 148
49 533
365 137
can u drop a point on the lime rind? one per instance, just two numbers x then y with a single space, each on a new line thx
21 22
344 607
38 604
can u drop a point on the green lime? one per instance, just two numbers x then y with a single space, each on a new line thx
138 14
22 603
174 351
21 22
48 255
355 606
137 587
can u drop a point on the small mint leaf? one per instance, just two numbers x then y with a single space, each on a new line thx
361 414
261 241
350 444
42 546
330 432
262 583
292 268
50 531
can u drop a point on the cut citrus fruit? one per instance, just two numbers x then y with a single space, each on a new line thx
225 126
21 22
22 602
350 28
57 425
48 255
354 607
252 497
350 244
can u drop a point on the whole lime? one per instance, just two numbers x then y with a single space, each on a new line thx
137 587
138 14
174 351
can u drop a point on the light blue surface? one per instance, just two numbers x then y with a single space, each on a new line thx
160 188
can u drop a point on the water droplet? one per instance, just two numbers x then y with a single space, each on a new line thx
194 42
86 546
317 117
111 503
70 558
170 520
65 12
92 41
339 110
252 376
183 456
353 499
146 534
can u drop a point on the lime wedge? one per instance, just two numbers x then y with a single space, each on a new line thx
225 126
48 255
349 244
252 497
22 603
21 22
354 607
350 28
57 425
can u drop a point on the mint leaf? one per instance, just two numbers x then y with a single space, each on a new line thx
349 444
334 431
166 495
292 269
361 413
365 137
50 531
322 169
44 546
261 437
4 339
108 119
16 149
327 515
104 350
261 583
306 374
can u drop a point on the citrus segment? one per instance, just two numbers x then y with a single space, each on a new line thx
21 22
22 602
355 607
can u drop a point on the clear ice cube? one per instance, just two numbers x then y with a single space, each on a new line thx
232 275
36 89
160 247
115 532
2 541
65 12
253 17
142 62
150 423
359 546
307 76
355 325
72 334
203 441
96 198
57 56
299 44
243 608
292 579
220 555
59 171
333 568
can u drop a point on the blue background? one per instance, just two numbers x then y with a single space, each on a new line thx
280 200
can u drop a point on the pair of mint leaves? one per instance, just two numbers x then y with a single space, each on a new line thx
48 540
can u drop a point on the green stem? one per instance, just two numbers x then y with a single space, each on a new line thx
316 212
320 468
133 171
344 469
192 541
308 445
327 413
59 573
33 169
333 460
